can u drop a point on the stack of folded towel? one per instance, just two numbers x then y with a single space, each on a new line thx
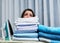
26 29
52 33
29 29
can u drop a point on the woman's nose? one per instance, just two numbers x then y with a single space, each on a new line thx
28 16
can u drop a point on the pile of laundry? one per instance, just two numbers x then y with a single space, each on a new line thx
30 29
50 33
26 29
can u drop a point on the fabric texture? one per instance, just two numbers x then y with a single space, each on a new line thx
27 20
55 41
32 39
48 40
25 31
34 28
51 30
26 35
49 36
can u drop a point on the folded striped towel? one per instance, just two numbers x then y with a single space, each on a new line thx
49 36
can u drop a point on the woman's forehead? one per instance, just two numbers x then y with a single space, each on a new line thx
28 12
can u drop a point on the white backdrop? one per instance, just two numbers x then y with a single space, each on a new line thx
48 11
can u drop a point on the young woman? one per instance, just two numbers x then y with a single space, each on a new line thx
41 28
27 13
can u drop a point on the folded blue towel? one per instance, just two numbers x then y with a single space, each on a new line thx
49 36
55 41
26 35
51 30
49 40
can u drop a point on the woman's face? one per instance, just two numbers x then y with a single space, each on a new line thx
28 14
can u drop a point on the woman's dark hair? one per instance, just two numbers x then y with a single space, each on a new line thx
27 10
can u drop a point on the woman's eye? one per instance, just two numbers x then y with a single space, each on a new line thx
26 14
31 15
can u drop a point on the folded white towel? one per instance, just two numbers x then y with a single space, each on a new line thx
18 23
44 39
25 39
27 20
24 23
27 27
